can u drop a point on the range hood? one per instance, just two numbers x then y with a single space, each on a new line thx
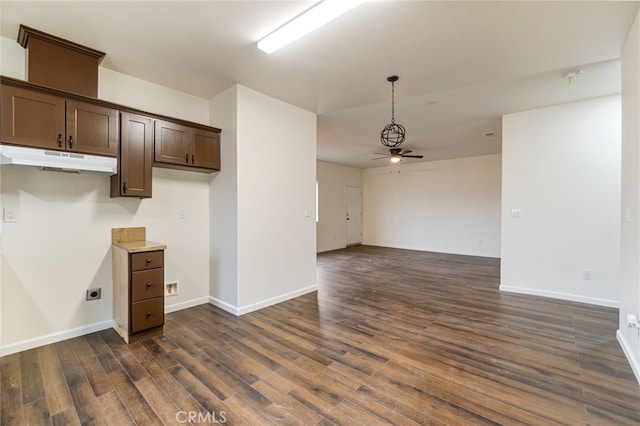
57 160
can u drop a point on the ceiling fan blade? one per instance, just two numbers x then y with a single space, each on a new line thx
405 151
412 156
380 158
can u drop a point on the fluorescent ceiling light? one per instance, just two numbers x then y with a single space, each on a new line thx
303 24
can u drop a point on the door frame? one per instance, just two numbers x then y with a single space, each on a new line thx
349 210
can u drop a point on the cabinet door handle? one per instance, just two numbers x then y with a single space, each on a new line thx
71 141
186 158
148 285
124 187
59 140
193 158
147 315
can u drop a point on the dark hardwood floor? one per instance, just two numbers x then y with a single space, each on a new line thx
391 337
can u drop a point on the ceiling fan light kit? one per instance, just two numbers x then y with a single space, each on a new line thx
395 155
393 134
572 75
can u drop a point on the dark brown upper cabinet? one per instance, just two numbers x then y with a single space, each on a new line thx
32 118
205 148
171 143
136 157
92 129
60 64
185 147
42 120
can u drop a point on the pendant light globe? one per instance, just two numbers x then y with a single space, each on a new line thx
392 135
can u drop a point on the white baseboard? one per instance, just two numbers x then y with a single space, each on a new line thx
562 296
262 304
332 248
54 337
633 362
492 254
232 309
81 331
184 305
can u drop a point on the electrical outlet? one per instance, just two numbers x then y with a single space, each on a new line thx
94 294
9 215
586 274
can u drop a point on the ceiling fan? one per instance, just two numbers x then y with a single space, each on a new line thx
396 154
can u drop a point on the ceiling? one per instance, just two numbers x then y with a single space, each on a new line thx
462 65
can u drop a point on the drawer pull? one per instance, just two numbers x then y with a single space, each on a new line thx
147 261
148 314
148 285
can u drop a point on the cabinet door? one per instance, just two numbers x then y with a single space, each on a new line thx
205 149
136 156
92 129
32 118
171 143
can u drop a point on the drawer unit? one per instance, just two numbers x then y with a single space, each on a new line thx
146 290
138 292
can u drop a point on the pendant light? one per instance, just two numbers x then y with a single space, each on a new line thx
393 134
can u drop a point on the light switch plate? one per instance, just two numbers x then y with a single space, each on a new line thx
9 215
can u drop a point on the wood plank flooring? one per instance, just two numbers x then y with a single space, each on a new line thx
391 337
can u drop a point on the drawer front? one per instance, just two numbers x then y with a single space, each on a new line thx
147 314
147 260
147 284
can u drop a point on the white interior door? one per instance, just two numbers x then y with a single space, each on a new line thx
354 215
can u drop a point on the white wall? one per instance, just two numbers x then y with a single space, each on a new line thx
12 58
449 206
333 179
274 227
561 168
276 187
146 96
630 233
1 262
224 204
60 245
